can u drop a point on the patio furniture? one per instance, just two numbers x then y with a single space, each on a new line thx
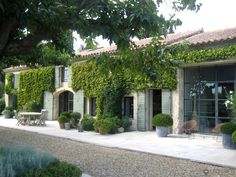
30 117
20 119
42 118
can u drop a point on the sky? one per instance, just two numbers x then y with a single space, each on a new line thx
213 15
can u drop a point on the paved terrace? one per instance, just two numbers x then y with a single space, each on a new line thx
205 149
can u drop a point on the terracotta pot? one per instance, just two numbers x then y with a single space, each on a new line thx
62 125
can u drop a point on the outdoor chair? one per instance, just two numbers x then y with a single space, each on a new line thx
42 118
189 127
20 119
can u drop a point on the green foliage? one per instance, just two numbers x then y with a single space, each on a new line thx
9 87
210 54
125 123
162 120
17 161
32 106
2 104
33 83
234 136
27 24
87 123
107 124
228 128
104 125
2 86
67 114
59 169
65 117
10 108
110 77
75 117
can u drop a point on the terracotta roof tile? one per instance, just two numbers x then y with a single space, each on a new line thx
213 36
171 38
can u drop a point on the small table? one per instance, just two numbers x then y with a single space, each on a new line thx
30 116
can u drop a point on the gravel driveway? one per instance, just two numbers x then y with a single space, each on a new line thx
100 161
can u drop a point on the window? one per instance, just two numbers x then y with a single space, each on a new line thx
93 107
128 109
65 74
206 89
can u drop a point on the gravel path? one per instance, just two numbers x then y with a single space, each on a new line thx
105 162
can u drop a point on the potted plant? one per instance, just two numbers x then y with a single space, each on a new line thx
8 112
104 126
227 129
66 119
162 122
62 120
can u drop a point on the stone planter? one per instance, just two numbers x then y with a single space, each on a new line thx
7 114
67 126
227 142
121 130
161 131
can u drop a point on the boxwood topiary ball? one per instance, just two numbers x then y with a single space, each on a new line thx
228 128
162 120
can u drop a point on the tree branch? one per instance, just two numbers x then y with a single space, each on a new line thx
25 45
5 30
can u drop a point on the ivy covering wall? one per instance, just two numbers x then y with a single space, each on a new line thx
33 83
110 77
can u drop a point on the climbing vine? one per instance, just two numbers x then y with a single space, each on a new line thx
9 87
33 83
110 77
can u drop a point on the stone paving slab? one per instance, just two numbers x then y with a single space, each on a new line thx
199 149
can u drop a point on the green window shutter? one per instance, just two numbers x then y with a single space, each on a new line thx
166 101
57 77
48 104
69 77
79 102
141 118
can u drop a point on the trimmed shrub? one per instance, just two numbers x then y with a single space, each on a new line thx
234 136
67 114
107 125
87 123
162 120
228 128
10 108
75 117
2 104
32 106
63 119
17 161
126 123
56 169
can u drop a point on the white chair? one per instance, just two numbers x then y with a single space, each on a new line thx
43 118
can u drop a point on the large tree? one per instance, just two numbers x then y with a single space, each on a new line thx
24 24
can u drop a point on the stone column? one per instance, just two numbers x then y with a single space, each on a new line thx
178 102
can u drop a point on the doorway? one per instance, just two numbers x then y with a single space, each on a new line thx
66 102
